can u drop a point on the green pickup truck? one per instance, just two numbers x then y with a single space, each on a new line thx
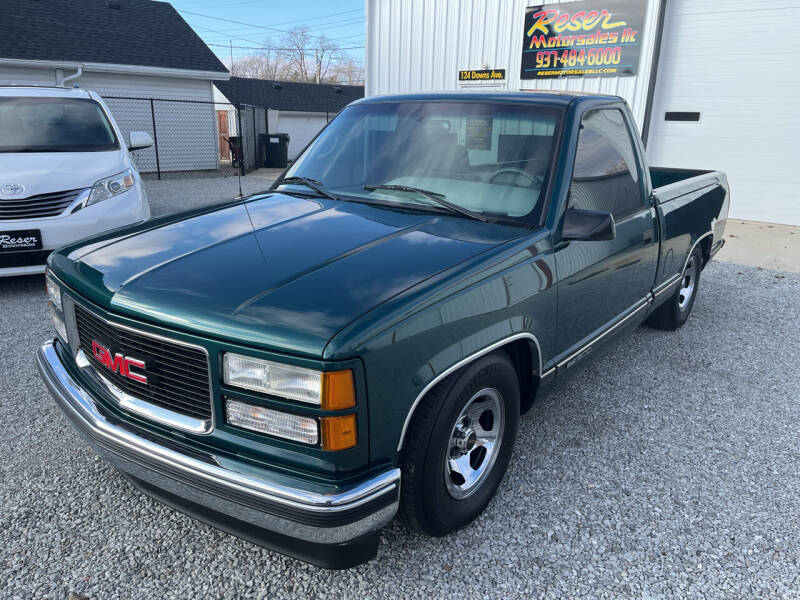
299 366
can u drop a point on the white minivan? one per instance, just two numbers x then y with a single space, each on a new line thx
65 173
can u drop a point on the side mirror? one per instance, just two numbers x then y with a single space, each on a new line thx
138 140
588 225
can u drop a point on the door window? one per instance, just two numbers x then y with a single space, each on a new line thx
605 176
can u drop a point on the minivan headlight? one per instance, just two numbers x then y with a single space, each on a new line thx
111 186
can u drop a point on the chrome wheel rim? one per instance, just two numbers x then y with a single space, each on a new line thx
688 283
474 443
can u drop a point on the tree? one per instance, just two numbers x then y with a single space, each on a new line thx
349 72
269 63
300 56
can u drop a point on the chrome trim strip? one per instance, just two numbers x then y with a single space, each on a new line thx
677 276
697 241
666 285
458 365
75 399
632 312
140 407
689 254
83 196
137 405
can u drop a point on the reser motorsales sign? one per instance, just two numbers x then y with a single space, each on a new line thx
582 39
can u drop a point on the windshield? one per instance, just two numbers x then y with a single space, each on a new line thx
488 158
54 125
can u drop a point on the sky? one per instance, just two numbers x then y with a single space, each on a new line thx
342 21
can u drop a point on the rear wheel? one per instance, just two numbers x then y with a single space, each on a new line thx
674 312
458 446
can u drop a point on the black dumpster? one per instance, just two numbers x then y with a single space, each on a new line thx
277 149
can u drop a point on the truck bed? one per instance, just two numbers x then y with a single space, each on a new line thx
661 176
693 209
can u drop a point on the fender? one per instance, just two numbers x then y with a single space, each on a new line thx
458 365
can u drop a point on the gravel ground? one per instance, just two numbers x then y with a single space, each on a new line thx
668 468
179 194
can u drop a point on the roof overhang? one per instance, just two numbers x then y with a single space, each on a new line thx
89 67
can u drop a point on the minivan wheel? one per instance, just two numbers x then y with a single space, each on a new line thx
674 312
458 446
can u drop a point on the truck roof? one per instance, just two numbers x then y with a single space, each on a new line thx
42 91
534 97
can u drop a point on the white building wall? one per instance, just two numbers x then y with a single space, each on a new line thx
714 60
180 126
420 45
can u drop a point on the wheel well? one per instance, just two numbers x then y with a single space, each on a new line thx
705 248
525 358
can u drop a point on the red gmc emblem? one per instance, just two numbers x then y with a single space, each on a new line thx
118 363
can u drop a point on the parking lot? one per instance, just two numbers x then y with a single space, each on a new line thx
668 468
184 193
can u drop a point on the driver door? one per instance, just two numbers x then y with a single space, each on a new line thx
600 282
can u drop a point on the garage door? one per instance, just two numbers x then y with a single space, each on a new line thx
727 98
301 127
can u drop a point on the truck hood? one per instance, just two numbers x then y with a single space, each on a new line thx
278 271
47 172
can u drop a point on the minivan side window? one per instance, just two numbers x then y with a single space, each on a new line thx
605 176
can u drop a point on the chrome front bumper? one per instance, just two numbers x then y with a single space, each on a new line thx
334 530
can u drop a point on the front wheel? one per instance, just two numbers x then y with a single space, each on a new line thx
459 445
674 312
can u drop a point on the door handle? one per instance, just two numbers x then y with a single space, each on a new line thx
647 236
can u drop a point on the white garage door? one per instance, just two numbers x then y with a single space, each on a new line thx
736 63
301 127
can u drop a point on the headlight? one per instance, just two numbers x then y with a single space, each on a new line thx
331 433
54 305
272 422
58 324
330 391
111 186
53 292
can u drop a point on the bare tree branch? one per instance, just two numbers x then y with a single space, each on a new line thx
301 56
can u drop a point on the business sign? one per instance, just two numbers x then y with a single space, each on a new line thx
592 38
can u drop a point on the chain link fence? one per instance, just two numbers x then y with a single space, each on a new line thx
193 136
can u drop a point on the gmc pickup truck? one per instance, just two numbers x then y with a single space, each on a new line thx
299 366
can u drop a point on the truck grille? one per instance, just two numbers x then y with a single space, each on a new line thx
178 376
42 205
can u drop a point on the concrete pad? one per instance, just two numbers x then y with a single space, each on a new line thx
766 245
271 174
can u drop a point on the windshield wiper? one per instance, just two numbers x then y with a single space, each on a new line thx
435 197
309 183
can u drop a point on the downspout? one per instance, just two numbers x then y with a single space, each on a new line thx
61 81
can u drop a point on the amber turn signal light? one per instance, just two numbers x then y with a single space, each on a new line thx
338 391
338 433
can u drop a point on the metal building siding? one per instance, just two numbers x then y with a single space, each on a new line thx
420 45
714 60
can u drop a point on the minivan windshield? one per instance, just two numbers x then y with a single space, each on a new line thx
484 159
54 125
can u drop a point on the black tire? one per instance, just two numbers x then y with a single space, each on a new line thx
427 502
674 312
